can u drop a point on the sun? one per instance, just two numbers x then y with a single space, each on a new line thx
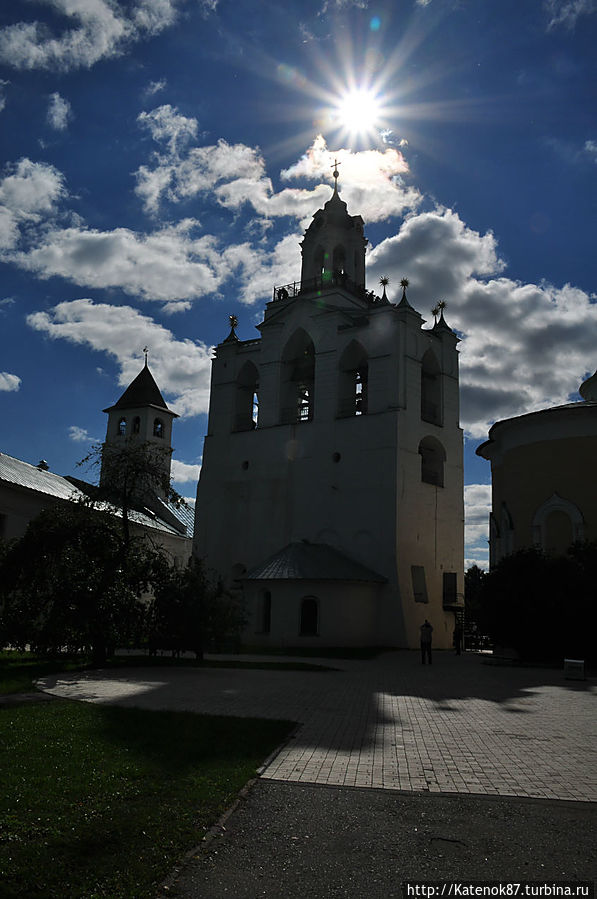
358 112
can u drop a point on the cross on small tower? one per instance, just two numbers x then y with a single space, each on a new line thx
145 351
335 173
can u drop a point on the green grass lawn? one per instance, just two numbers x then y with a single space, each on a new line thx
101 801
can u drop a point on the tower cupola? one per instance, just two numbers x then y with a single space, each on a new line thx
333 248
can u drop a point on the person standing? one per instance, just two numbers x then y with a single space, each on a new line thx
458 638
426 637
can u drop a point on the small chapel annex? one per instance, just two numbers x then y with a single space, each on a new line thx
331 490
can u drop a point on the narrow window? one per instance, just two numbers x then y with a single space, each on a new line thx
246 408
303 403
158 427
122 427
360 391
136 424
266 612
450 594
309 617
417 573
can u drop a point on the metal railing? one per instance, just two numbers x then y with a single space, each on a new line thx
324 282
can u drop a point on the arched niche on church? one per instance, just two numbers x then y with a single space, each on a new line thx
557 523
297 379
433 457
246 401
431 389
353 381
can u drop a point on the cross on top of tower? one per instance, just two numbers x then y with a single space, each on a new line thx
145 353
336 174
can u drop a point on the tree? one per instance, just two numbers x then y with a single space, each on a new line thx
189 611
132 475
543 606
72 582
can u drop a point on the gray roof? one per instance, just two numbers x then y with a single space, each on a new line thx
184 514
312 562
21 474
14 471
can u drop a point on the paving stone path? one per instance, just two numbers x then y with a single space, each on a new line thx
458 726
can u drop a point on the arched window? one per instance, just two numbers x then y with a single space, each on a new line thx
433 456
431 390
136 424
309 617
298 379
158 427
353 381
122 427
246 414
339 265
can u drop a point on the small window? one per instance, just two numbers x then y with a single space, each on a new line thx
122 427
417 573
309 617
158 428
136 424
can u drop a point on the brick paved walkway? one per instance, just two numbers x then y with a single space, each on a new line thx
459 726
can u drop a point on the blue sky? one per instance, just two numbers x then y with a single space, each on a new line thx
160 160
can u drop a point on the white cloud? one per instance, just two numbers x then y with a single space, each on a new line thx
183 473
168 264
591 148
165 123
9 383
59 112
567 12
28 190
181 367
155 87
80 435
100 29
477 506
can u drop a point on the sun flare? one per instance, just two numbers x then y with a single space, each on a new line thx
359 111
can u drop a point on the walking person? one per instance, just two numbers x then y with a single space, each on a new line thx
426 636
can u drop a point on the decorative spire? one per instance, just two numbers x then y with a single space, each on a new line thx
233 322
384 283
440 323
145 352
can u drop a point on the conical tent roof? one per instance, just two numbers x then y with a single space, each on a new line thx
143 391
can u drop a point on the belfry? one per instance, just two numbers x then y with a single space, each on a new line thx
331 491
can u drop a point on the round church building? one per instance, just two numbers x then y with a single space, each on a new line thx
544 492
